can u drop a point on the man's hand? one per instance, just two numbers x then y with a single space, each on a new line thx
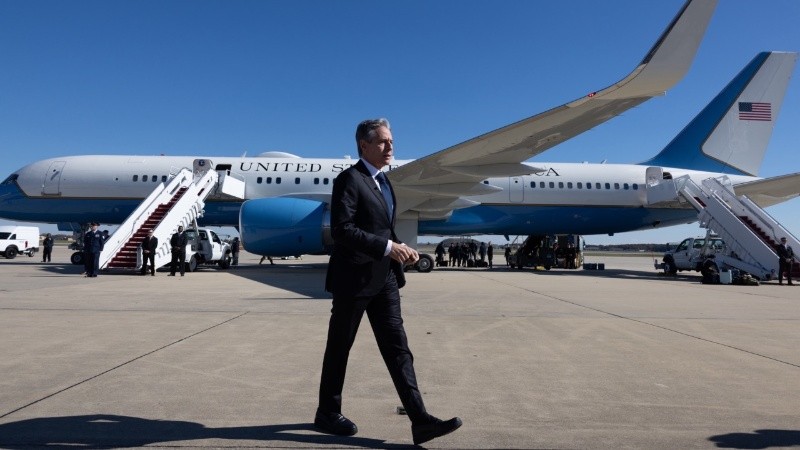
403 253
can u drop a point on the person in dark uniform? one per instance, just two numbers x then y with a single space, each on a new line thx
87 242
178 243
47 254
235 251
785 261
95 242
365 274
149 246
490 254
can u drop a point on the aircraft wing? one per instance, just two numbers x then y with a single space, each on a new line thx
771 191
433 186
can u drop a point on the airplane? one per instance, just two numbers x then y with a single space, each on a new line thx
480 187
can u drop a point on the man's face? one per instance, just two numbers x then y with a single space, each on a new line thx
379 152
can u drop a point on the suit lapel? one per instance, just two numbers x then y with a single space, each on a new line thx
372 186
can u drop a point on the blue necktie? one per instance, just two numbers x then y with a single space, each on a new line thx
387 193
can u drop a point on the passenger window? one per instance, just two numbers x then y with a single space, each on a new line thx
164 178
297 180
625 186
597 185
259 180
144 177
316 180
541 184
635 187
616 185
580 185
155 178
269 180
608 186
533 184
569 184
325 181
277 180
552 185
588 185
136 178
561 185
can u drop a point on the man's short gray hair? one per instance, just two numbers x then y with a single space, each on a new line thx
366 130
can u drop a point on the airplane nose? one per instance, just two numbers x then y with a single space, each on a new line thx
9 197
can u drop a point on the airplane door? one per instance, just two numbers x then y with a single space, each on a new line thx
515 192
52 179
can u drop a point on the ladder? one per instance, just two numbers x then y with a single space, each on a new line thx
178 202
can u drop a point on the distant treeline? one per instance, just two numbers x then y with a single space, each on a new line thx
655 248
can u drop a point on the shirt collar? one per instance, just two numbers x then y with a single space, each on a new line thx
373 171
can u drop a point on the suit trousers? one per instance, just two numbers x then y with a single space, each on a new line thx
383 311
784 266
149 258
178 262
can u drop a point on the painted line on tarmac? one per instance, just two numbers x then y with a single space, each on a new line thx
123 364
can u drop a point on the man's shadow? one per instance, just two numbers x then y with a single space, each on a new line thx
106 431
758 439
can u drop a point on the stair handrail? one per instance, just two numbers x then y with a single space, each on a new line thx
125 231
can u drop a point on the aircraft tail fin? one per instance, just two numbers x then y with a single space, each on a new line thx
730 135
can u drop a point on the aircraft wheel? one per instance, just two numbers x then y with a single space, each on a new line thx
425 263
76 258
11 252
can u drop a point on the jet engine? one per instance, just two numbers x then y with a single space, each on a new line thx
285 226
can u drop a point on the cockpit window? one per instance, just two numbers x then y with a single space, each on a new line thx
12 179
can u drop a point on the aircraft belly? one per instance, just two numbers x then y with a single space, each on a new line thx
489 219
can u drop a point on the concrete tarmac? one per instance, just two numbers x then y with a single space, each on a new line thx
620 358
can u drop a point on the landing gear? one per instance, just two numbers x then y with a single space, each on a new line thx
425 263
76 258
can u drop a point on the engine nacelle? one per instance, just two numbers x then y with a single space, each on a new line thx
285 226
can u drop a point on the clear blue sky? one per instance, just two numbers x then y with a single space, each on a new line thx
227 77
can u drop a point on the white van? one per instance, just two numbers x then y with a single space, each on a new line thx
15 240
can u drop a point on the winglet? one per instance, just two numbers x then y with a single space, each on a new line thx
671 56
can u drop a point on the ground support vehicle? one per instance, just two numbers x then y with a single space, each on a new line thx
17 240
690 254
204 247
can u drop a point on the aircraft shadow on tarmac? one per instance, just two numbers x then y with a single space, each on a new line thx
758 439
607 273
107 431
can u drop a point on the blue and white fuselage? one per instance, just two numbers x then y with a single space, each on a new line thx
563 198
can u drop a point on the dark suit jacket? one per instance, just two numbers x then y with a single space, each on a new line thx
178 241
150 244
361 229
784 252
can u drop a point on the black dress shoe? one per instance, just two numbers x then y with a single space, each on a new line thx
424 432
335 423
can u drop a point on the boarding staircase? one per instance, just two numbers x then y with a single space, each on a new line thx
178 202
750 233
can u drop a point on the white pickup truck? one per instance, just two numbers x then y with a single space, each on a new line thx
16 240
690 254
205 247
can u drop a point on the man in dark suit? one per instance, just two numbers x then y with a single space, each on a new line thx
178 243
149 246
785 261
365 274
